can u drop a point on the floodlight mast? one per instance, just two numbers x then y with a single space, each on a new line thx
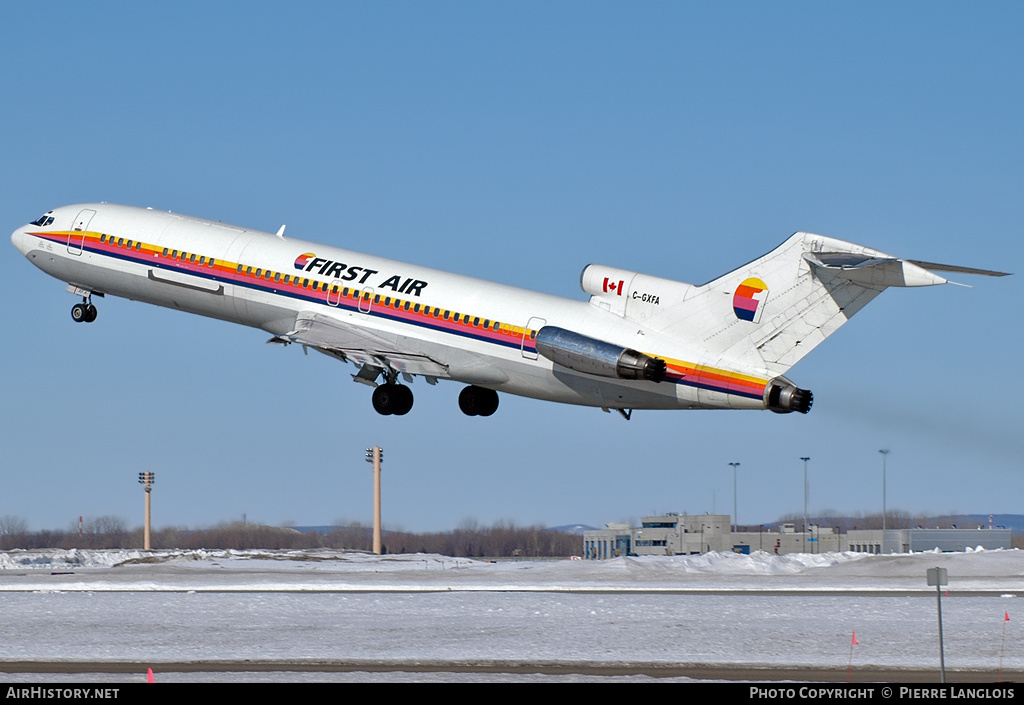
147 479
806 488
735 514
375 455
884 452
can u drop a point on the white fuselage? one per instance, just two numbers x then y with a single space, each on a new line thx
452 326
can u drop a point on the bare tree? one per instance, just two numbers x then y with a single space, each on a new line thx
12 526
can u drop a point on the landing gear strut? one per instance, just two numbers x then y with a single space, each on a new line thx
392 399
84 312
477 401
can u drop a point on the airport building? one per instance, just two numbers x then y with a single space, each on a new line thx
692 534
917 540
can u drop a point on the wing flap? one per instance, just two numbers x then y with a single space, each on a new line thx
358 345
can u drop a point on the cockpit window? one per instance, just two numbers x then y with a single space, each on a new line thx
43 220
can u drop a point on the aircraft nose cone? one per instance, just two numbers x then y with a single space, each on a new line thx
20 241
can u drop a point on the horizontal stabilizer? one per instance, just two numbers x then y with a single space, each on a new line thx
959 270
872 271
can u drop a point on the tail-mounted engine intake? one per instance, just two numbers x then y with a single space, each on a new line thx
782 397
596 357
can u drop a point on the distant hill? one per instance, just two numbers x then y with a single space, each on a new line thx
577 529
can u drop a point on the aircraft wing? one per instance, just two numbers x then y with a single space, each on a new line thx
356 344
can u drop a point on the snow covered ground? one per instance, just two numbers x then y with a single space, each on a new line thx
327 610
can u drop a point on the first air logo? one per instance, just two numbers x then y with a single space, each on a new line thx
309 262
748 301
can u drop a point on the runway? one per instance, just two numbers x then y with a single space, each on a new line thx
314 616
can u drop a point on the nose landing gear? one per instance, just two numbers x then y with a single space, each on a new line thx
84 312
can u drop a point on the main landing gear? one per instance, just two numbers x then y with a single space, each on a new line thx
84 312
392 399
477 401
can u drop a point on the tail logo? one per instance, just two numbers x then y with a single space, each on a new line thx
748 300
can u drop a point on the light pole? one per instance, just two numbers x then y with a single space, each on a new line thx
735 518
375 455
805 503
146 479
884 453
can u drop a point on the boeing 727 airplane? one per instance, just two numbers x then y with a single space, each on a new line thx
640 342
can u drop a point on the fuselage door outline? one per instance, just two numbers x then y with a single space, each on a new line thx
366 300
334 292
534 324
76 236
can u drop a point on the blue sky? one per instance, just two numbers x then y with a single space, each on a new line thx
517 142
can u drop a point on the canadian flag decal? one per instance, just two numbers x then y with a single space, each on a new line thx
615 287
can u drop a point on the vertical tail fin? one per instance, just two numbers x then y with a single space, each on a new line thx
768 314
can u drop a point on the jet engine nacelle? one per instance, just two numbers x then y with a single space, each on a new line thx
596 357
782 397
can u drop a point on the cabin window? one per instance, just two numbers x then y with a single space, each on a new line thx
277 276
240 269
192 259
416 308
120 242
165 254
103 238
476 321
259 272
129 244
376 299
202 260
174 254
